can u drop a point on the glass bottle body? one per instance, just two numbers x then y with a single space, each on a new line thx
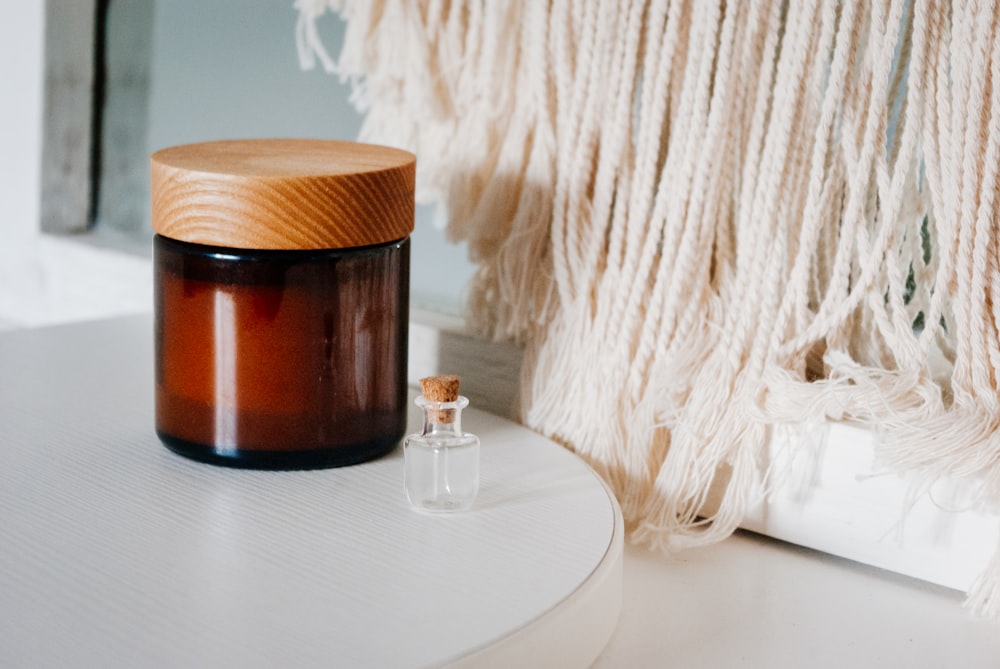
441 462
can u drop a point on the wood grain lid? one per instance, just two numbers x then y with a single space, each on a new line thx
283 193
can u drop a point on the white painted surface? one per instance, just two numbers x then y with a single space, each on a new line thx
835 499
117 552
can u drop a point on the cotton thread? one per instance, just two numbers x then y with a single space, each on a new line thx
726 216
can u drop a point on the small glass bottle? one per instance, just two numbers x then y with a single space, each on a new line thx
441 462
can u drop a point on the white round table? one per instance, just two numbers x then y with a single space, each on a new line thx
117 552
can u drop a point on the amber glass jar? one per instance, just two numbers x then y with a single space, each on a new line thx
281 291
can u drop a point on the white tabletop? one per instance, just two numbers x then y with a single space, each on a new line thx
117 552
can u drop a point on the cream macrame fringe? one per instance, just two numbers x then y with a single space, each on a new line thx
707 218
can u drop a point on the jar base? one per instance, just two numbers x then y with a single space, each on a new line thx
316 458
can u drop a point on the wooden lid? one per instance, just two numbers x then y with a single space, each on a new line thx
283 193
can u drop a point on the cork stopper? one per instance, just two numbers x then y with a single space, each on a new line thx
442 388
289 194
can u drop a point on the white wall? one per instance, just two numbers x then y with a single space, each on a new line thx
21 68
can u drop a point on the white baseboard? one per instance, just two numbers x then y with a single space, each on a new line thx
836 502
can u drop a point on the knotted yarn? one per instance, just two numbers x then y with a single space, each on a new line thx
703 219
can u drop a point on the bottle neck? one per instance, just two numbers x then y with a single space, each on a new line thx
442 418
